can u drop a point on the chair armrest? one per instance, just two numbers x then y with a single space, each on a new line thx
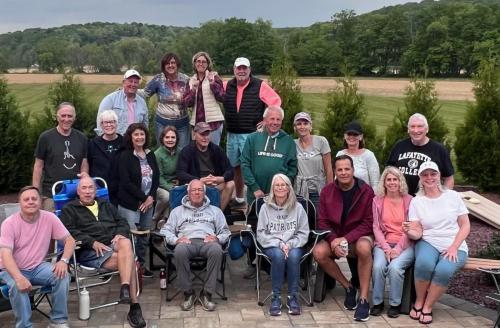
139 232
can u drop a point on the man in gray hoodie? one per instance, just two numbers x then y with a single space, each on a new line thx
197 229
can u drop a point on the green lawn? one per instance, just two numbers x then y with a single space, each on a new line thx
381 110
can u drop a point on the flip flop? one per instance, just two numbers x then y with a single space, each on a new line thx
417 312
423 314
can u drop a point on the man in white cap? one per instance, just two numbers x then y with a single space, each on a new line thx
245 101
125 103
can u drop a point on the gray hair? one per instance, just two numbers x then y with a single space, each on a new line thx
108 114
274 108
64 105
291 200
190 183
403 187
207 57
418 117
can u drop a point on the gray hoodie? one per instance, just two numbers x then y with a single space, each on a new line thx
192 222
277 226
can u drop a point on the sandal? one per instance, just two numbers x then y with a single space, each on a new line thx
423 315
417 313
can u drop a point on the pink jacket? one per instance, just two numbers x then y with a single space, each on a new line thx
379 228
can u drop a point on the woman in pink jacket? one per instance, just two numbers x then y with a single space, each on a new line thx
393 251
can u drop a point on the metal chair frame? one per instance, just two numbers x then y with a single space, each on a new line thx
306 261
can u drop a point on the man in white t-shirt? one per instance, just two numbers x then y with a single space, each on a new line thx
24 242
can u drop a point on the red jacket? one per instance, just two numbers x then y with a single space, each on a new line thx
359 220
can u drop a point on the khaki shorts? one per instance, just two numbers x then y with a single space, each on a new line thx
352 250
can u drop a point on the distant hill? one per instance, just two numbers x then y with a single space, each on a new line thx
437 38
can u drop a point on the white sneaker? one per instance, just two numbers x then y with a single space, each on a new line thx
58 325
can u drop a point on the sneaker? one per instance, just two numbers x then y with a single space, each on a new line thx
293 305
58 325
124 294
134 316
206 301
275 308
350 298
237 203
377 310
146 273
250 272
189 299
394 311
362 311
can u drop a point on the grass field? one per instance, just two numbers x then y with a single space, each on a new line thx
381 110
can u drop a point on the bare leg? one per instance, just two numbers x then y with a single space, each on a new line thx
434 292
226 192
238 182
123 260
421 287
322 254
365 263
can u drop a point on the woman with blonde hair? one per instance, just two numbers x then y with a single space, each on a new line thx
283 230
204 92
442 250
393 250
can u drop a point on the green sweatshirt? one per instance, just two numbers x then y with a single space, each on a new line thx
263 156
167 163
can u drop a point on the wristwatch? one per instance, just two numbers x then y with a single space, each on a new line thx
65 260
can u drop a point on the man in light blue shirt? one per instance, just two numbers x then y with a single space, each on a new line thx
128 106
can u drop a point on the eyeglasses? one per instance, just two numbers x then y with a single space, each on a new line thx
201 62
108 122
196 190
281 186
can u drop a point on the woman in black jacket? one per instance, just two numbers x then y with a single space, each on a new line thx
138 181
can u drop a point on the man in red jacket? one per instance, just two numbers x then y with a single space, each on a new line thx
346 210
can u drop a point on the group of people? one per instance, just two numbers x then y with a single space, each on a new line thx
379 230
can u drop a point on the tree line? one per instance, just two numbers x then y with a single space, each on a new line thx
446 38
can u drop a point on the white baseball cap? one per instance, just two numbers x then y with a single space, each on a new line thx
131 72
430 165
241 61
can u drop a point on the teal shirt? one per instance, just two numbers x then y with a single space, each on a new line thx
167 164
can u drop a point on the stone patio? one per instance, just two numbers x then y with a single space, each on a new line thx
241 310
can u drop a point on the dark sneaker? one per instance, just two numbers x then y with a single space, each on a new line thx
275 308
394 311
350 302
250 272
362 311
189 299
206 301
124 294
134 316
377 310
293 305
146 273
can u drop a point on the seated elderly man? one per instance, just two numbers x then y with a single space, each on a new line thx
105 242
197 229
24 242
204 160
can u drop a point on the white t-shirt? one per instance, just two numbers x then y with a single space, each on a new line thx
439 218
366 166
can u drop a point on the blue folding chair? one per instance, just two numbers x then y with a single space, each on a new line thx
85 277
198 264
306 260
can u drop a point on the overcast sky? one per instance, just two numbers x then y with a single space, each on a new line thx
18 15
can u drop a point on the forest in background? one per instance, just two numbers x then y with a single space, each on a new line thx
446 38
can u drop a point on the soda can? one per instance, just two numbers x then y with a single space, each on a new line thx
344 245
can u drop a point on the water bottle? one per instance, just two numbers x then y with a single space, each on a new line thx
163 279
84 301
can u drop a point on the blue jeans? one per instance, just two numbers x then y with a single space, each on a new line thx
140 221
430 265
215 135
182 126
41 275
396 271
278 266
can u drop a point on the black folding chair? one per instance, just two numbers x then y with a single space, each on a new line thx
306 260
